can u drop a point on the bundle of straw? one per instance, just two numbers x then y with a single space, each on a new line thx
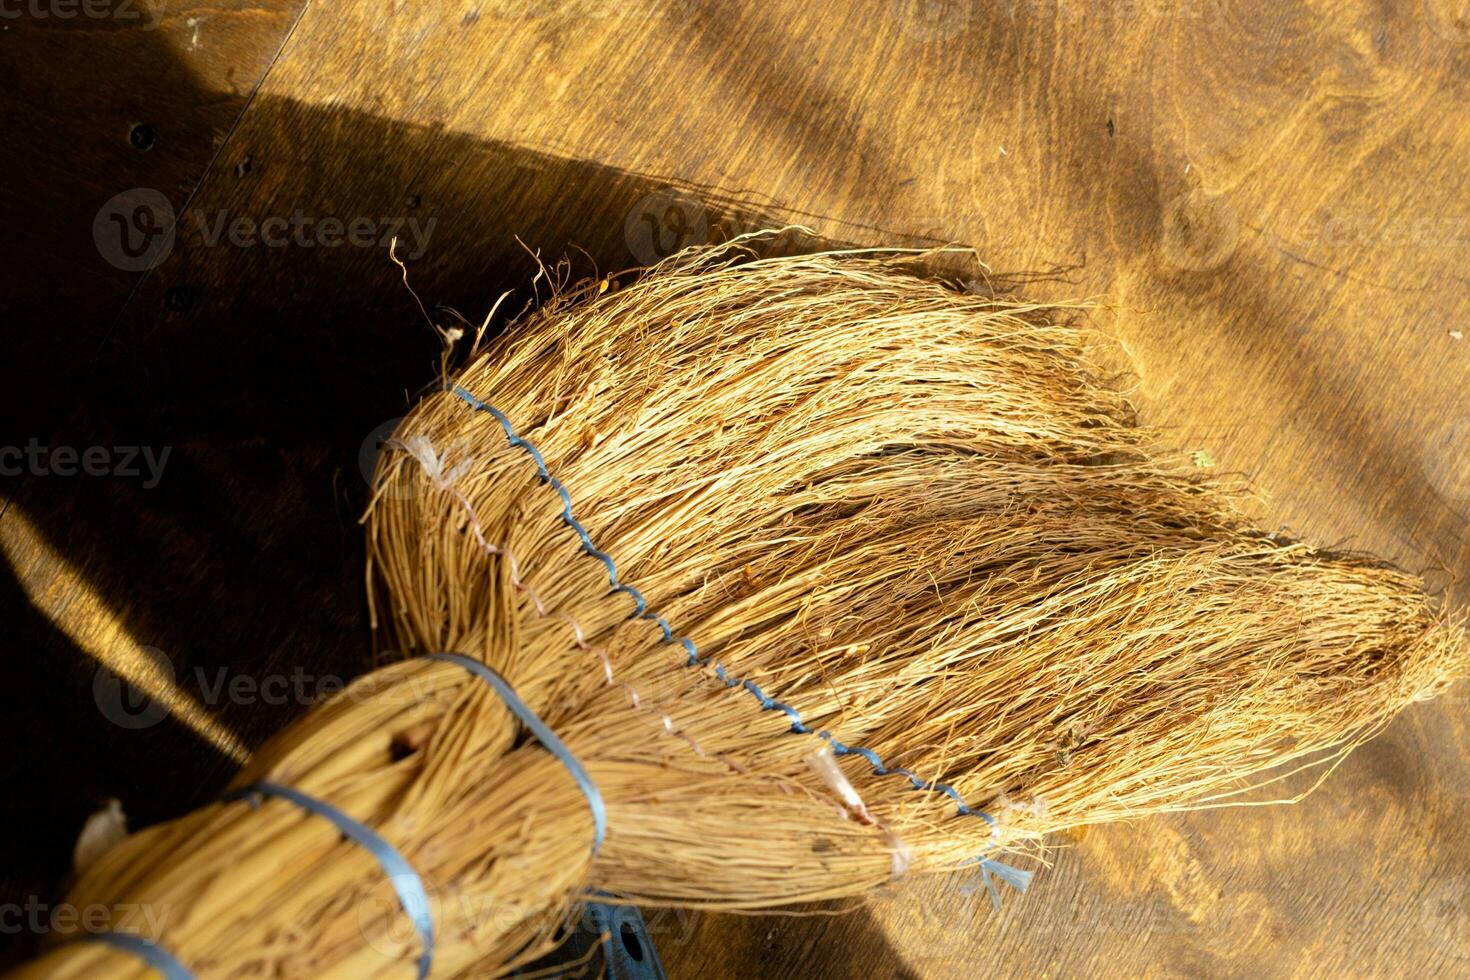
821 574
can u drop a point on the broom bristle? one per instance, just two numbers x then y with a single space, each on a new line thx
734 514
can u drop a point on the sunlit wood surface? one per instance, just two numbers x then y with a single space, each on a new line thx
1270 201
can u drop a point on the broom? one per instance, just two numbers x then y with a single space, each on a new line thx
757 582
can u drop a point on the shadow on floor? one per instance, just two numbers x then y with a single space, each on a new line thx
267 353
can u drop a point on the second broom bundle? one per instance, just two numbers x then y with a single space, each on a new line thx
811 574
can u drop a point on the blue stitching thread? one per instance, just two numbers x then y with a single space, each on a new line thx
406 881
544 735
566 498
146 950
987 865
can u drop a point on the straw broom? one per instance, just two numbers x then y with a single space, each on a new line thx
821 574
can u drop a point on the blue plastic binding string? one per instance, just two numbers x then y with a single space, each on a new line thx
1015 877
767 703
144 949
406 881
544 735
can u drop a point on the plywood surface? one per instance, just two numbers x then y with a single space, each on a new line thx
1269 201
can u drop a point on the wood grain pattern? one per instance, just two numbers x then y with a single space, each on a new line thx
98 100
1269 199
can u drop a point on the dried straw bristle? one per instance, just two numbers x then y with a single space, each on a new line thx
914 516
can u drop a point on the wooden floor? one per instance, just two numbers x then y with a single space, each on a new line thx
1270 201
